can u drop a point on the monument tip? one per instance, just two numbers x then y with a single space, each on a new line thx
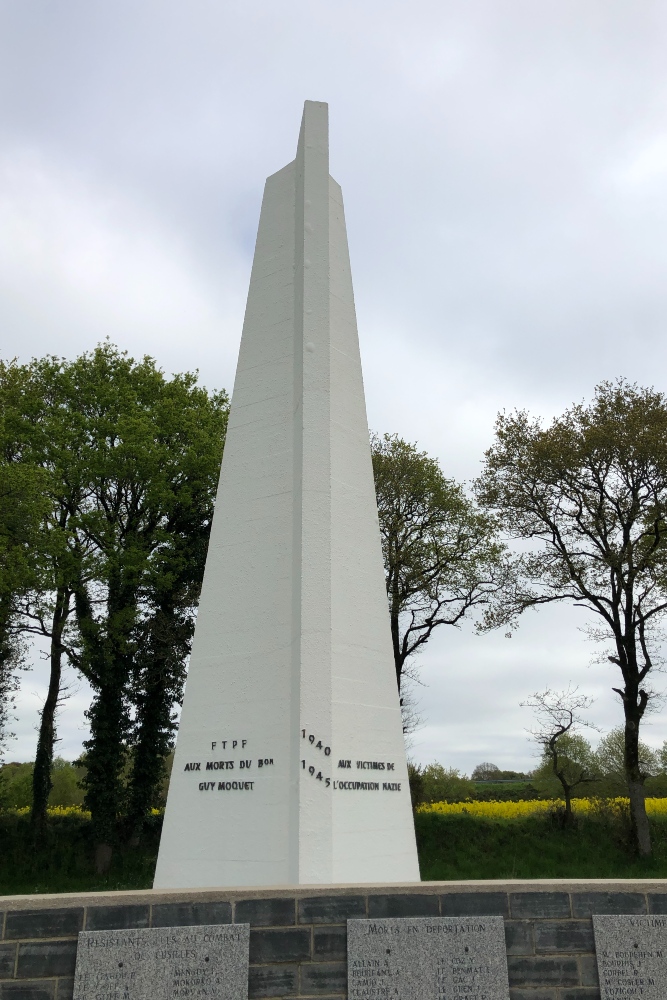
314 127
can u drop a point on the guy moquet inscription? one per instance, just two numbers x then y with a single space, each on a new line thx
427 958
632 956
160 963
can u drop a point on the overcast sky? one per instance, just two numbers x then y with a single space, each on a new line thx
504 169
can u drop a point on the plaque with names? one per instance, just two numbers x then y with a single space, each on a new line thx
427 958
632 956
163 963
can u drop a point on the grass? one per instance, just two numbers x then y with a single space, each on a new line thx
461 846
65 862
508 840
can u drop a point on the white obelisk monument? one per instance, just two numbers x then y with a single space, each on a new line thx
290 764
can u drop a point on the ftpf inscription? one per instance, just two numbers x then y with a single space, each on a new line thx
427 958
163 963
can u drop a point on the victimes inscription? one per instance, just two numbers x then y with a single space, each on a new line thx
632 956
427 958
154 964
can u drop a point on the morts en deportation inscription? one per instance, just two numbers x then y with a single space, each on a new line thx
632 956
163 963
427 958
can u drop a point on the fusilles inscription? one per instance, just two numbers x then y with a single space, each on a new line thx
632 956
163 963
427 958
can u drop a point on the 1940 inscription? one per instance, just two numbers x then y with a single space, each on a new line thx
427 958
155 964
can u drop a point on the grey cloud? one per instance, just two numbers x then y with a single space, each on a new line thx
504 166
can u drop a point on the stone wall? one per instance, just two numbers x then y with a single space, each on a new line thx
297 937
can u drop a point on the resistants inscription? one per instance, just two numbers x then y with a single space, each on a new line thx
427 958
163 963
632 956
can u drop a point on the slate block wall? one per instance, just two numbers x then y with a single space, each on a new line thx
298 936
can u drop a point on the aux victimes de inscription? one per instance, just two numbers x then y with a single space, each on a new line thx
317 763
174 963
632 956
427 958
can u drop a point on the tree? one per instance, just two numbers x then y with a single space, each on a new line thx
442 784
22 507
610 758
591 491
565 752
442 557
486 772
8 688
47 444
154 448
171 596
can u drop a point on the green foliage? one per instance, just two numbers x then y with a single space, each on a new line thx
64 861
575 758
491 772
443 558
16 784
445 784
416 779
610 758
127 462
22 507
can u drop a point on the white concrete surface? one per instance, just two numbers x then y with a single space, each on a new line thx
292 661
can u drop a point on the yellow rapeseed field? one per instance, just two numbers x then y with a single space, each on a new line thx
67 811
517 810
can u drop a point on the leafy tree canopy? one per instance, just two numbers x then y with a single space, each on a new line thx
442 557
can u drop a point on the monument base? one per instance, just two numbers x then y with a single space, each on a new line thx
298 934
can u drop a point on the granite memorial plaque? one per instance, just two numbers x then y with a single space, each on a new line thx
427 958
163 963
632 956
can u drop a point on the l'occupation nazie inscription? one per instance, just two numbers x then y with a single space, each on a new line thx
242 784
632 956
427 958
155 964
